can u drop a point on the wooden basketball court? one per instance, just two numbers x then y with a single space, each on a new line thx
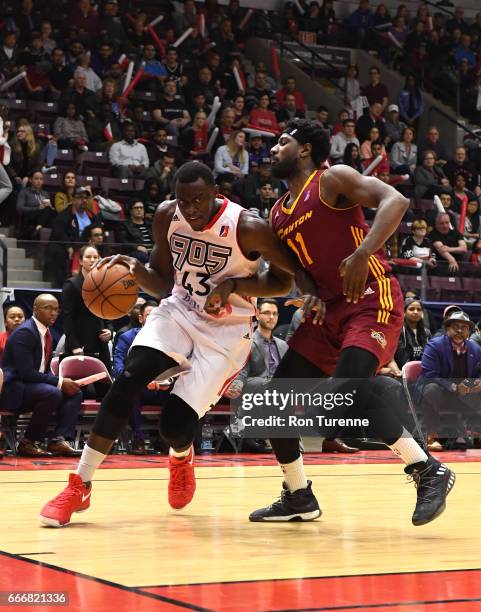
132 552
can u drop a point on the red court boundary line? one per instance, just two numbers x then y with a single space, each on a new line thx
22 574
336 593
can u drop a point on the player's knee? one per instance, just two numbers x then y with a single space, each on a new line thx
143 365
178 422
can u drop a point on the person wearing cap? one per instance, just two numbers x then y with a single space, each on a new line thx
446 314
451 374
67 229
394 127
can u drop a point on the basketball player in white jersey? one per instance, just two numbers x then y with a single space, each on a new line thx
202 242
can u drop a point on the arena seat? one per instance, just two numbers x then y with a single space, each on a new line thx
43 112
93 163
52 182
472 286
65 159
118 187
446 288
16 107
88 180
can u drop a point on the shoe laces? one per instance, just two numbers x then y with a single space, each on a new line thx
64 498
423 483
179 475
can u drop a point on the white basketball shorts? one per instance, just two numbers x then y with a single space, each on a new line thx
210 352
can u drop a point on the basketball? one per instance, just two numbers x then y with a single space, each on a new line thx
110 293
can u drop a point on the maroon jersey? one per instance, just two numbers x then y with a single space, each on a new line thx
322 236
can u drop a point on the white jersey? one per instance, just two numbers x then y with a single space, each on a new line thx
204 259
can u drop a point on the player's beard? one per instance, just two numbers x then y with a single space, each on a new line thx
284 169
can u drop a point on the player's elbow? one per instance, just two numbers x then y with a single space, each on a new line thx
403 203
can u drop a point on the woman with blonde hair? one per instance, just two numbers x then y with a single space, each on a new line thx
232 158
25 156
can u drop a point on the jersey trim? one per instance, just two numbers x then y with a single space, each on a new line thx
290 210
214 220
328 205
379 273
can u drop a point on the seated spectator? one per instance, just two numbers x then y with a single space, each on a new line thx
340 141
373 136
233 156
248 189
476 253
129 157
433 143
85 100
322 118
414 335
290 88
30 387
394 127
404 154
287 112
34 207
266 199
257 151
25 157
376 92
448 362
64 198
92 80
85 333
69 130
418 246
67 230
429 179
172 113
133 315
13 316
152 397
471 222
373 118
349 84
461 165
10 56
263 118
137 233
411 102
158 147
240 112
448 243
253 94
155 71
93 235
103 60
382 17
194 139
109 96
461 195
173 67
342 115
267 351
59 75
162 173
464 52
352 157
377 149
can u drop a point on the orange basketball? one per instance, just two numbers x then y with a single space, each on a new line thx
110 293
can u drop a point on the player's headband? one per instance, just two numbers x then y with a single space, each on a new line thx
293 132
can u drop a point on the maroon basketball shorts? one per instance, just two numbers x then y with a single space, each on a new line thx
373 324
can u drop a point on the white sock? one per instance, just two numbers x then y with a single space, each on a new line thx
89 462
408 449
294 475
179 454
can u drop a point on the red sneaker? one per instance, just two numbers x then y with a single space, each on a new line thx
74 498
182 480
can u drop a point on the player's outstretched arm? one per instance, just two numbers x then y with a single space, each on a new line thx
343 187
158 279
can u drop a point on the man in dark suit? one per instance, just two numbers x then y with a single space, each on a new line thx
30 387
451 374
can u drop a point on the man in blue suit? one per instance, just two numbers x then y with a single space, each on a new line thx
451 371
154 396
30 386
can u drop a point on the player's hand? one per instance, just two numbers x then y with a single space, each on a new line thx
129 262
311 306
70 387
354 270
105 335
218 297
463 389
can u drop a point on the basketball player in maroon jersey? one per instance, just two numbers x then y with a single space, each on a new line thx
321 220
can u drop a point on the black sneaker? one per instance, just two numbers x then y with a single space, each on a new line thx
298 506
433 481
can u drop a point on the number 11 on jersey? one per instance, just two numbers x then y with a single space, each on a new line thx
305 259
